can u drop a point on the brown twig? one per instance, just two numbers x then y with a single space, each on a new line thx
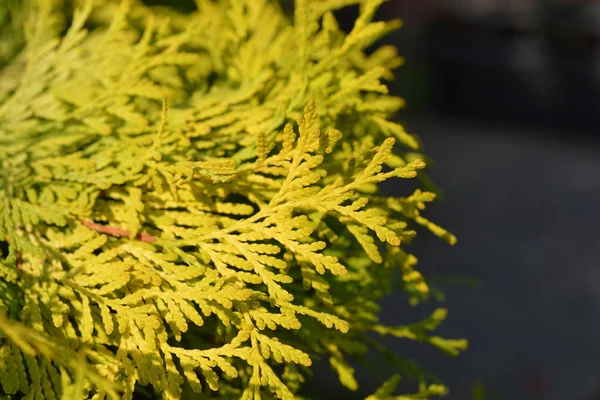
117 232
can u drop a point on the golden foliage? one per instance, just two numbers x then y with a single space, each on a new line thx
211 241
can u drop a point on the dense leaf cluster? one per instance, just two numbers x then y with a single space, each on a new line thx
190 201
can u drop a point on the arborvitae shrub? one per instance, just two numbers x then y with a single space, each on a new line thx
190 202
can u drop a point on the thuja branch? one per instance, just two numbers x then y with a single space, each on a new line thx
268 217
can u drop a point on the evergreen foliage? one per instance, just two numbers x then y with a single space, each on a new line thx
190 201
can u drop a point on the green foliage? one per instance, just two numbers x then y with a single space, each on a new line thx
177 212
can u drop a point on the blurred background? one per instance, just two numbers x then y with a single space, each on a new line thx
506 97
